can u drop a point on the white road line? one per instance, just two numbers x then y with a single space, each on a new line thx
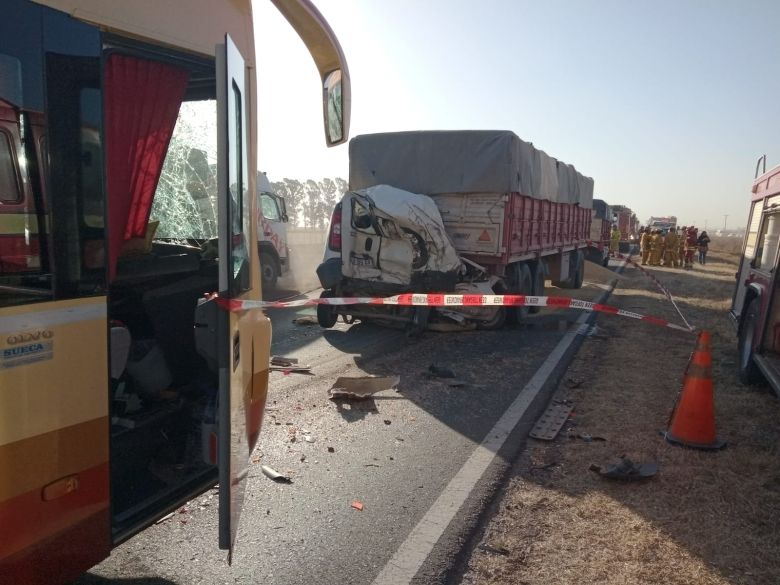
409 557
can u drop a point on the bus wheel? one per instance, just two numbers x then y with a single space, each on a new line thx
268 271
748 370
326 314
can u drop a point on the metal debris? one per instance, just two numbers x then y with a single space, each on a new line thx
551 421
274 475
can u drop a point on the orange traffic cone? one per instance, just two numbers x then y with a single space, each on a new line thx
693 420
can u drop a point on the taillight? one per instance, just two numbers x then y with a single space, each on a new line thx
334 238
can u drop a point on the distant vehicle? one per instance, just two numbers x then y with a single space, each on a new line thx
628 225
662 223
756 303
271 233
600 230
411 223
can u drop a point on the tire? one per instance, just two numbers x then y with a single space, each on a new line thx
748 370
326 314
519 282
580 274
269 271
537 278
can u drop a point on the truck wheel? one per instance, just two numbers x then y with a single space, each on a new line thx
537 277
326 314
269 272
580 274
748 370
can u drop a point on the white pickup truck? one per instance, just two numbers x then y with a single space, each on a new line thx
272 233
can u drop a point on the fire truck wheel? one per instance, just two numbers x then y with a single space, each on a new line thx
748 370
268 271
326 314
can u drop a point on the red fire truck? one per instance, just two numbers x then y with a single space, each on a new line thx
756 307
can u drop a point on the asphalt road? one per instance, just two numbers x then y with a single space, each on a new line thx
394 454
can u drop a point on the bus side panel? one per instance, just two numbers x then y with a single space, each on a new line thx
54 490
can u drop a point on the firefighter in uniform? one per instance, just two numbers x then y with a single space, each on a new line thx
681 245
614 241
670 252
656 246
691 245
644 245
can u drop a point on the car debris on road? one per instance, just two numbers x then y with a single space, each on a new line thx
362 387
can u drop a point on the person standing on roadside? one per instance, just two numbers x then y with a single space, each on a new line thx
614 241
690 246
644 245
703 243
670 248
656 247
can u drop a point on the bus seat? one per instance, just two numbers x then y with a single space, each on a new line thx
120 349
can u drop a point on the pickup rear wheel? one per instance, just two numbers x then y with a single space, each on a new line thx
748 370
326 314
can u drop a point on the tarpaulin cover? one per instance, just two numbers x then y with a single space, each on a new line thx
463 161
602 210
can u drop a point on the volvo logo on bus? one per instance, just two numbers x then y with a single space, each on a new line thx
16 338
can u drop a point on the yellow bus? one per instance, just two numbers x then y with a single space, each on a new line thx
125 389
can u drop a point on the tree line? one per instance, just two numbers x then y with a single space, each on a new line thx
310 203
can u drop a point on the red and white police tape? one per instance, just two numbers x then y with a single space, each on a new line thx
450 300
660 286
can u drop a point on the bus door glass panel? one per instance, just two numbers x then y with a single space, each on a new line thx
238 429
748 255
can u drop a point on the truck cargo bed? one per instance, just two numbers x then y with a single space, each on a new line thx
497 229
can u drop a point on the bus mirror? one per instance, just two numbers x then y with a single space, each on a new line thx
333 108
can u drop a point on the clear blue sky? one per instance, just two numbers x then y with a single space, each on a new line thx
666 104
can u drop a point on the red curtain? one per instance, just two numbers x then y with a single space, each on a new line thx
142 100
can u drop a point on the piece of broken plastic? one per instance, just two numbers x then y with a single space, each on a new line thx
362 387
627 470
357 505
274 475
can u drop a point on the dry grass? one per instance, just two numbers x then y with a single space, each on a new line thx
707 518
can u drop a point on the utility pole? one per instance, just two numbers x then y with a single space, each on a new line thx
725 217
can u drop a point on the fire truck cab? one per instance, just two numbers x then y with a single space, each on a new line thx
756 304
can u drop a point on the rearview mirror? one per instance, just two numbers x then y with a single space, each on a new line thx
334 106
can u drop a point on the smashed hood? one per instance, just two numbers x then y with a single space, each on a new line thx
407 220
